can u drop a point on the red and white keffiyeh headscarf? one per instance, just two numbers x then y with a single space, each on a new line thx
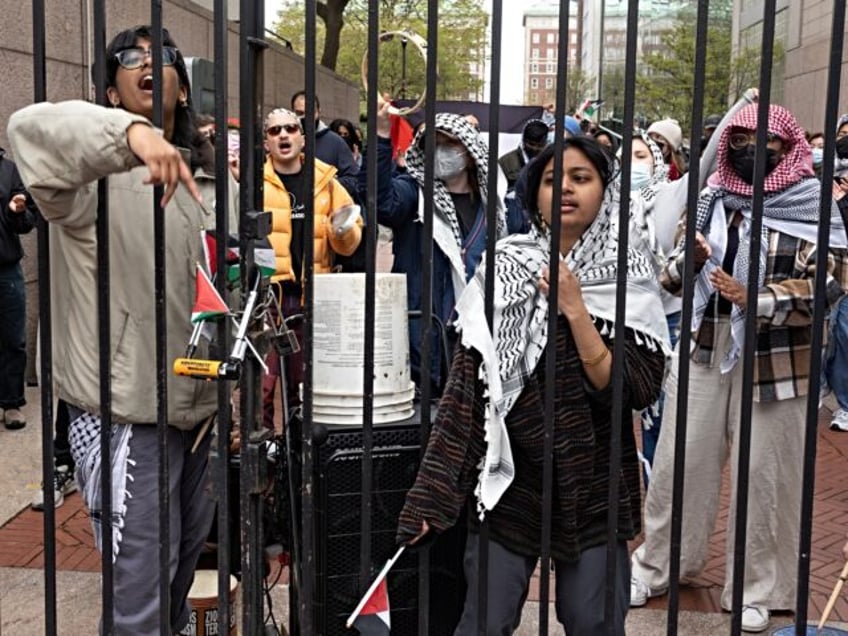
796 164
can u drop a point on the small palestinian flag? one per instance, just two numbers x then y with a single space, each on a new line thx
374 619
263 255
371 616
207 301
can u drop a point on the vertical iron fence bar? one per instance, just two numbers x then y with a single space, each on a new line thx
489 293
685 330
161 344
426 324
837 38
104 325
620 299
600 44
553 319
39 80
253 449
307 574
742 474
221 453
370 255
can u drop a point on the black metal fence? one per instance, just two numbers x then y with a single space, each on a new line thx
310 610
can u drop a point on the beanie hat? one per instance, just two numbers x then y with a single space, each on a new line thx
712 121
535 132
669 129
572 126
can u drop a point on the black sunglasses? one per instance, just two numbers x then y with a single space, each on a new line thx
133 58
276 130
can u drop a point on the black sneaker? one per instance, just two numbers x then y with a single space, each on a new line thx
63 484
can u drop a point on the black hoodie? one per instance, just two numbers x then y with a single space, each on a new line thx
12 223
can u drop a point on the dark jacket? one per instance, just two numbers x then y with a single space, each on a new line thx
397 209
11 223
511 163
332 149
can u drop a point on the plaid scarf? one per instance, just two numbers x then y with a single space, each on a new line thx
796 164
521 320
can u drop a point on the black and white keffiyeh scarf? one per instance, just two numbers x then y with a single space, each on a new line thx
84 440
446 231
521 318
793 211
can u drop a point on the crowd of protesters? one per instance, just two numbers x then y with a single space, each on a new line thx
486 445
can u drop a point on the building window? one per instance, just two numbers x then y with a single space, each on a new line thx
549 68
552 54
551 38
535 54
549 82
534 82
534 68
535 38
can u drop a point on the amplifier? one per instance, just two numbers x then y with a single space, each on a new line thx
338 491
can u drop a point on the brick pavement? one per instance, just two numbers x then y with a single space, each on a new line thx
21 539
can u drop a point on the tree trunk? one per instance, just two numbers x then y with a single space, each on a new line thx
331 12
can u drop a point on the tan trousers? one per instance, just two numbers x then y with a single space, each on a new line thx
774 493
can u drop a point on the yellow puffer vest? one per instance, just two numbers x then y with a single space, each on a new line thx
329 196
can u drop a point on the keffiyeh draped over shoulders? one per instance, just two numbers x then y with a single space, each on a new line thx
521 316
457 127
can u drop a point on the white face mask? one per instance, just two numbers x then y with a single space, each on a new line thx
640 175
818 156
449 162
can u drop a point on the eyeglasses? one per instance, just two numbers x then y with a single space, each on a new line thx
132 59
739 140
273 131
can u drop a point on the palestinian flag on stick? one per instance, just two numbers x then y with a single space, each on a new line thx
371 617
590 108
263 255
207 301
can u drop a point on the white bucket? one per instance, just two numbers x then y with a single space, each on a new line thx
338 349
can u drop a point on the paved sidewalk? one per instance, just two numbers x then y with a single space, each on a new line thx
78 581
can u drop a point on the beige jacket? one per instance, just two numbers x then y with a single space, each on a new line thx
61 150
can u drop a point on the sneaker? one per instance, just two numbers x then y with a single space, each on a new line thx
63 484
640 592
14 419
754 618
838 423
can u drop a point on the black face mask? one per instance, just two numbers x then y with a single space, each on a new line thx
742 161
842 148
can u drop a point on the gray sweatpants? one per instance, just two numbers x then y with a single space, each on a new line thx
136 567
580 590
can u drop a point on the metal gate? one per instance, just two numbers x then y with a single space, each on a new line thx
306 613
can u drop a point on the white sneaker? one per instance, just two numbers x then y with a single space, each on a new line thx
754 618
640 591
839 421
63 484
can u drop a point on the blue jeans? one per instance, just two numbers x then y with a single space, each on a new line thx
652 416
836 364
12 337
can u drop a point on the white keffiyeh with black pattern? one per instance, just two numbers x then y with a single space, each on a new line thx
446 231
521 319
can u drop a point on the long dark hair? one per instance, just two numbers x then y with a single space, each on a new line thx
604 162
185 133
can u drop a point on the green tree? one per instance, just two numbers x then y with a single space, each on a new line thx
461 44
665 88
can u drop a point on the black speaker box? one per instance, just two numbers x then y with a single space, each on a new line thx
337 502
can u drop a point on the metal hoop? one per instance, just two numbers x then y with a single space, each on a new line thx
420 44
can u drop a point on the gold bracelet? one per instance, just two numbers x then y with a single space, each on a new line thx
591 362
